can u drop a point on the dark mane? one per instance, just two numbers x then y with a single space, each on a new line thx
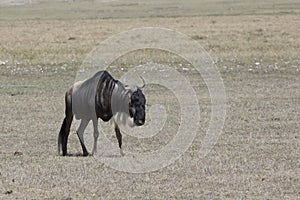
105 87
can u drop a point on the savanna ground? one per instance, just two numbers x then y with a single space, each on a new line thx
255 47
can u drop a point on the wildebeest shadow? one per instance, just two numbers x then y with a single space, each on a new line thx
78 155
113 156
94 156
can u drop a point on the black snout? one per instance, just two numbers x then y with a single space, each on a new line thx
138 102
139 122
139 117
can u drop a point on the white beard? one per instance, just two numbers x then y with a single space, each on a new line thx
120 105
123 119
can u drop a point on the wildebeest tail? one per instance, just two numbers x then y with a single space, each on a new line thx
61 135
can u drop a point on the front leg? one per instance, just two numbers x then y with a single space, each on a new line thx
119 137
96 134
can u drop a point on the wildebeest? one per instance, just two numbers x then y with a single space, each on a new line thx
101 96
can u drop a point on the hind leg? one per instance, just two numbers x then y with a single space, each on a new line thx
80 131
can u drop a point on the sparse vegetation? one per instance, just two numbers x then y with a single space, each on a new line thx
255 45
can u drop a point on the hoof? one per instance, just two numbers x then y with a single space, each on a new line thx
121 152
85 154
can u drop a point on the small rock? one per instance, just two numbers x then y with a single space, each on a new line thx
18 153
275 119
8 192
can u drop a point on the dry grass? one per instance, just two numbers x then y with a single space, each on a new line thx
257 155
112 9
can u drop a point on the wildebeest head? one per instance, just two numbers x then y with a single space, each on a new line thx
137 107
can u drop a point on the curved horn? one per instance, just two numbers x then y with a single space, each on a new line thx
144 83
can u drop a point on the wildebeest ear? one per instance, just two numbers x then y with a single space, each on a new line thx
129 94
130 89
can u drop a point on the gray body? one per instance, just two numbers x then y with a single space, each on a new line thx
102 97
